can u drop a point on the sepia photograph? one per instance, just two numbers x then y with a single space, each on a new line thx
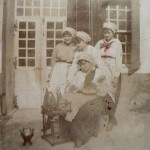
74 75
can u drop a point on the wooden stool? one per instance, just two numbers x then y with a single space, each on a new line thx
55 127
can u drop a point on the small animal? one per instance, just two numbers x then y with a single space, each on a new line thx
140 102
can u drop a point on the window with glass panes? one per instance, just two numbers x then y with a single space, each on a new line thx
120 14
55 8
53 15
53 37
28 7
26 44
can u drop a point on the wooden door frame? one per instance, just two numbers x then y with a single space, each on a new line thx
8 93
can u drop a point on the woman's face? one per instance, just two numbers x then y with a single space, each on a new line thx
108 34
81 44
85 66
67 38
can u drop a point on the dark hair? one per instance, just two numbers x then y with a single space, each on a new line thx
66 33
77 40
106 29
79 62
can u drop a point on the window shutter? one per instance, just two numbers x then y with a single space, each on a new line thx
135 57
78 14
71 14
88 16
98 15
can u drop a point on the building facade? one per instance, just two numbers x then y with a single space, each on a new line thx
30 29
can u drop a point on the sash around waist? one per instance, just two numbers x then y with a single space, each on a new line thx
105 56
64 61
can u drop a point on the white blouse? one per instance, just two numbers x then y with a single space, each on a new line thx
93 52
111 53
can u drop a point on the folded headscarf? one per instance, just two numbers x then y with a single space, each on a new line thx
111 26
70 30
84 36
87 57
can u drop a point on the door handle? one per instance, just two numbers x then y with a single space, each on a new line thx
16 25
15 63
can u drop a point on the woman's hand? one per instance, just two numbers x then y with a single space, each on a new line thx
115 82
64 106
72 88
89 76
101 78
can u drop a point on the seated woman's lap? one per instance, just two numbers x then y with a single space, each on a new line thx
86 122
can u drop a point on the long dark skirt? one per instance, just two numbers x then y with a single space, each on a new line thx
87 120
111 107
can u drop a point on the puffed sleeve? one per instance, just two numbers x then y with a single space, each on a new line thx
118 59
99 82
97 56
73 68
54 55
97 46
100 63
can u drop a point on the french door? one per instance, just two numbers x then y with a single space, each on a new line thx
34 43
37 30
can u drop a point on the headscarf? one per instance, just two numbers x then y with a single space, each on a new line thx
70 30
111 26
84 36
87 57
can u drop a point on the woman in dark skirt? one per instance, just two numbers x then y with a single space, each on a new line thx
85 97
87 121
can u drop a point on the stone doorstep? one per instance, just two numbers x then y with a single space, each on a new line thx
5 118
3 121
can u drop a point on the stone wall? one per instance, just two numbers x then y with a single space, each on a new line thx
144 36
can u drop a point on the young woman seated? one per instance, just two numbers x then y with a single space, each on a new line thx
84 100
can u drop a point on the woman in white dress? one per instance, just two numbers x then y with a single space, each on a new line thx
62 58
111 53
82 40
61 61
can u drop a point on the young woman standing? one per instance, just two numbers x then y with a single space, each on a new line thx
111 53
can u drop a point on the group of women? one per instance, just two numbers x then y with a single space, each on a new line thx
84 79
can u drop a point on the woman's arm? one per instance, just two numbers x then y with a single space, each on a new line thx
53 59
97 46
118 59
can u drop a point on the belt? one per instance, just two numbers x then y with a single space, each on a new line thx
105 56
64 61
